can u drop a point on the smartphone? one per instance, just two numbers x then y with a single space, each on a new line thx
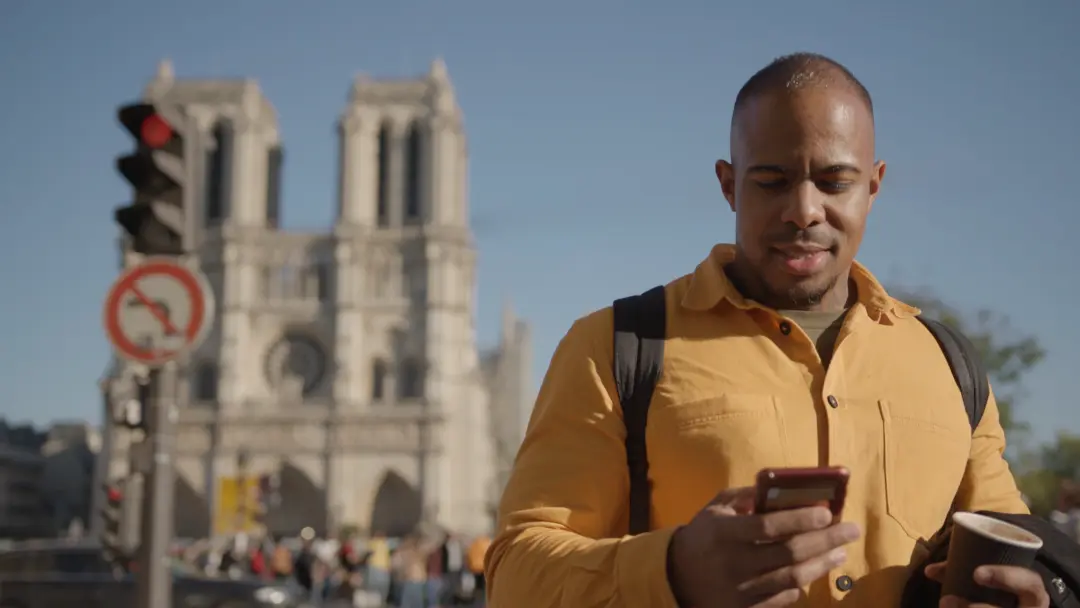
795 488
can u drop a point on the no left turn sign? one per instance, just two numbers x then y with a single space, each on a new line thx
157 311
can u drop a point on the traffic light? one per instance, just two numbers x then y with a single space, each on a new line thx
270 491
121 515
157 172
269 496
131 413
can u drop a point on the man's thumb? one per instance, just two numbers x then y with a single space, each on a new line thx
739 500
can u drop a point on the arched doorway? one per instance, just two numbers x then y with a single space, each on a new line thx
397 508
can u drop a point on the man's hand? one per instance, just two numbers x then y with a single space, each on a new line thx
1025 584
730 558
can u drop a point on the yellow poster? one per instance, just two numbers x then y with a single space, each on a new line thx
236 511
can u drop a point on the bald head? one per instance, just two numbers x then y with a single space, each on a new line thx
799 72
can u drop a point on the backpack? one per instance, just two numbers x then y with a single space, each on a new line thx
1058 563
640 331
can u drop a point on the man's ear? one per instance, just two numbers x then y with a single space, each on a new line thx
725 174
876 176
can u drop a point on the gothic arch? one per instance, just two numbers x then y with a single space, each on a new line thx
397 507
414 168
206 382
380 373
410 378
382 212
303 504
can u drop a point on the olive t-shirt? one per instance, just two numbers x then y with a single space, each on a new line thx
822 327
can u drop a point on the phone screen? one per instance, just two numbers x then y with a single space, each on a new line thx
780 499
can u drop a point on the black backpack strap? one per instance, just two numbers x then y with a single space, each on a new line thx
640 330
967 368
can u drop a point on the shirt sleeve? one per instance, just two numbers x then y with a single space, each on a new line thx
988 484
561 539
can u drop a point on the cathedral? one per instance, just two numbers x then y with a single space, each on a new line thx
341 384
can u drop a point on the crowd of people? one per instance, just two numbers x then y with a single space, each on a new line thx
415 571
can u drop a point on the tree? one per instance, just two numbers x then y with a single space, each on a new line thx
1007 357
1042 471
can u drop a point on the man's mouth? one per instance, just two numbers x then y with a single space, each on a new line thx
803 260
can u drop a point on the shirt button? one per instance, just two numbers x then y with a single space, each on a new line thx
785 327
844 583
833 403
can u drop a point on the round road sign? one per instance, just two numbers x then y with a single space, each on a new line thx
157 311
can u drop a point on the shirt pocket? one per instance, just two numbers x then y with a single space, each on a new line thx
925 461
717 442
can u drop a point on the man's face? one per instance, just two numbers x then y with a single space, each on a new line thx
801 182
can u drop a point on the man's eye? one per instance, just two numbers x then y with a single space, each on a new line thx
833 186
772 184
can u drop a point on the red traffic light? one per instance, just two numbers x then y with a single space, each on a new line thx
155 131
114 494
154 126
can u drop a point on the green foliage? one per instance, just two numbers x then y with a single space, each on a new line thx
1063 457
1041 488
1007 357
1042 471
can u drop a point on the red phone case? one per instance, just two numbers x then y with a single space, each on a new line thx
833 478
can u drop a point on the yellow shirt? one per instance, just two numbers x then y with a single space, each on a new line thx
741 389
380 554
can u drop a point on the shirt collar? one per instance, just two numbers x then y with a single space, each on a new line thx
709 286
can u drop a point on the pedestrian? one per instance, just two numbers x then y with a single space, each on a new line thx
410 571
281 561
780 351
436 586
304 566
377 575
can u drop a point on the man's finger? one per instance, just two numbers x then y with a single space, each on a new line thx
735 501
935 572
734 498
792 577
771 527
1025 584
801 547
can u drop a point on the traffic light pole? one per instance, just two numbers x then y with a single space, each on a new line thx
101 463
154 573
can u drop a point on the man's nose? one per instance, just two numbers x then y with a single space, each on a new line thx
804 206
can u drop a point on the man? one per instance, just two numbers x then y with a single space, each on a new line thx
781 351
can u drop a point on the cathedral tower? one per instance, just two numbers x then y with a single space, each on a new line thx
403 204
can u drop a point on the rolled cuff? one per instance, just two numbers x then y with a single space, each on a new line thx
641 570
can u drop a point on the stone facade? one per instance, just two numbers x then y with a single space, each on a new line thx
343 367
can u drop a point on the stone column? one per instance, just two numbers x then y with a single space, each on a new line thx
348 327
445 188
244 207
359 134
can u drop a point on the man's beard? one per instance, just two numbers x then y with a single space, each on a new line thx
801 297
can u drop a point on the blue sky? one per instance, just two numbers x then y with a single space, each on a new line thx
593 129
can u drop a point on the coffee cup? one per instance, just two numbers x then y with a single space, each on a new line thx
980 540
